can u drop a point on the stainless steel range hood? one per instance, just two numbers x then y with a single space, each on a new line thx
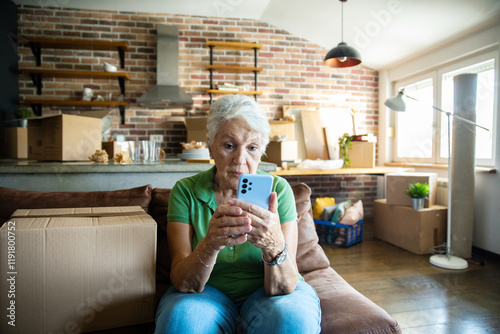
167 93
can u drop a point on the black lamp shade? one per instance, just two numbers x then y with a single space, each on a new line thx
342 56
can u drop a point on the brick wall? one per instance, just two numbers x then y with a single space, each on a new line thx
293 72
342 188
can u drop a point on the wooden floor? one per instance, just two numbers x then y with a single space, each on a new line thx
421 297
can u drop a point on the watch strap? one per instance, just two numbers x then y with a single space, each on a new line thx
280 258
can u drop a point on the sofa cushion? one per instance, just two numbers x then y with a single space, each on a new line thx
13 199
310 255
158 210
344 309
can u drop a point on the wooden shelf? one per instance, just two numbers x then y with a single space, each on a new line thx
46 102
37 74
36 105
246 92
65 43
234 68
233 45
37 44
80 74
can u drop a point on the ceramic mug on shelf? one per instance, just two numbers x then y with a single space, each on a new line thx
87 94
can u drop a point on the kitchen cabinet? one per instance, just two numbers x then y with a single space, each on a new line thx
233 68
37 74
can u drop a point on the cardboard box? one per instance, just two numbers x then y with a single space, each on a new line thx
282 128
337 234
114 147
196 128
414 230
362 154
77 270
64 137
278 152
14 143
397 183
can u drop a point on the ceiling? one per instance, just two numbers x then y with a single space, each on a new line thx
386 32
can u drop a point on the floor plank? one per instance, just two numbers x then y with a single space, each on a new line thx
421 297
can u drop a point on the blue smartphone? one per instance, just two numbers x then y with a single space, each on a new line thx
255 189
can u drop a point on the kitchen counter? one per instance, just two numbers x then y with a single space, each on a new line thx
12 166
91 176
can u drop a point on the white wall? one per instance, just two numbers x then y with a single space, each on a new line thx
487 186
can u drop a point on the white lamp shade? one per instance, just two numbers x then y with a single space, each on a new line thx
396 102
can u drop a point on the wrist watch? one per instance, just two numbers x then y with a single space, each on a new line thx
279 259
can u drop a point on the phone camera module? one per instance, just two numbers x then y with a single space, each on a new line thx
243 191
245 180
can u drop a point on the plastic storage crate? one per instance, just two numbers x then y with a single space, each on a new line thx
340 235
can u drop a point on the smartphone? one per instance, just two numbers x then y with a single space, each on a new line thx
255 189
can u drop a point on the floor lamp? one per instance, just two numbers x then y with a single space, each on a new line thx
447 261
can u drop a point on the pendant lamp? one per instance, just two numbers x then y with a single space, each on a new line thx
343 55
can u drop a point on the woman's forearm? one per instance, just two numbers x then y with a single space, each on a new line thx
281 279
190 274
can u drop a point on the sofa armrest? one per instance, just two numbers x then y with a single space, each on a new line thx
344 309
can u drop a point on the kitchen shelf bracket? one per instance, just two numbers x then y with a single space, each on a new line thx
121 53
37 81
122 114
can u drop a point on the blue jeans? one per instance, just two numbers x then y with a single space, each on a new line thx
211 311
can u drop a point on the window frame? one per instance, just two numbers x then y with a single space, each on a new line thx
436 74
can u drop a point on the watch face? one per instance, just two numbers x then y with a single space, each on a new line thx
282 256
281 259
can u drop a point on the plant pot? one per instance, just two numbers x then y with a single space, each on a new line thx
23 123
418 203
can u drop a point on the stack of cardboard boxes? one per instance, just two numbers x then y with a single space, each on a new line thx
77 270
396 222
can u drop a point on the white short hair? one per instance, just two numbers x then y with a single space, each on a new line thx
239 106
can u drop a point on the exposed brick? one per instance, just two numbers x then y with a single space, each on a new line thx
293 73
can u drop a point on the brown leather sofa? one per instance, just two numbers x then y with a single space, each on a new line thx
344 310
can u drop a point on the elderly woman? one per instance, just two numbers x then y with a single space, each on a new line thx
233 263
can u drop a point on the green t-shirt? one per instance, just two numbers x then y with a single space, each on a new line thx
239 270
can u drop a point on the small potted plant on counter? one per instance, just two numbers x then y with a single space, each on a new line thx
345 143
418 193
22 114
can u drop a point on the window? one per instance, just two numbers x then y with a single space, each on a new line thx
415 125
421 131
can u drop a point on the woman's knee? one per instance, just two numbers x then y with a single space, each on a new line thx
206 312
297 312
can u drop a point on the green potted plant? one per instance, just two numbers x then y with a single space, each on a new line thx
345 143
418 193
22 114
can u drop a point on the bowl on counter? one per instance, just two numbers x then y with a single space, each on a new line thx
195 153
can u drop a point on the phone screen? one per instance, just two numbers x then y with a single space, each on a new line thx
255 189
